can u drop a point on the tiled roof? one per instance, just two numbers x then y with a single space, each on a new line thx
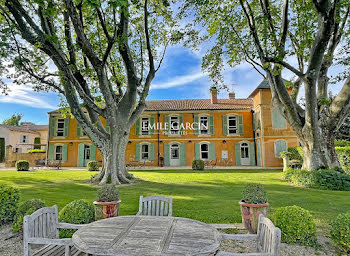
39 127
203 104
18 128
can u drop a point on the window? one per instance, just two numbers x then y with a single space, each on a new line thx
60 127
244 150
278 121
232 125
204 151
144 152
174 125
280 145
145 126
175 151
203 125
58 153
24 139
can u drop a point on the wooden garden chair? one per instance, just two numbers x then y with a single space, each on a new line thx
41 228
155 206
268 239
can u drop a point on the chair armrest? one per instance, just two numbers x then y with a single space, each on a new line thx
69 225
138 214
239 237
62 241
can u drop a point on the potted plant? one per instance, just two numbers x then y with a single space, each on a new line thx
254 203
107 203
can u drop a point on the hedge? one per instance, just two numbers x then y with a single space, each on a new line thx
9 197
342 143
340 232
36 151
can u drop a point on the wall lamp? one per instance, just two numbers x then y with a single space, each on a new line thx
224 141
190 141
129 142
70 143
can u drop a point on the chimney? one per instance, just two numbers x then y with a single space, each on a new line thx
231 95
213 95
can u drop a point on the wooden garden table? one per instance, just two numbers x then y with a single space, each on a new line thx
147 235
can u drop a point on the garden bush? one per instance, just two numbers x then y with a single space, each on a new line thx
197 165
295 153
340 232
344 157
22 165
108 193
9 197
26 208
36 151
93 166
296 224
76 212
342 143
254 193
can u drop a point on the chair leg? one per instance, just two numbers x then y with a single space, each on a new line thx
67 250
26 249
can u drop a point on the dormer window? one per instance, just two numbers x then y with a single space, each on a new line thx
145 126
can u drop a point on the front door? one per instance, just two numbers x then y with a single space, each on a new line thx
87 154
174 155
245 154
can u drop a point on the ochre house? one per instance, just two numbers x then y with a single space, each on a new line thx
226 132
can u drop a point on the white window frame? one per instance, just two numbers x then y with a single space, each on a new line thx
144 132
144 152
174 131
275 149
58 153
201 151
228 125
200 125
241 146
177 144
58 129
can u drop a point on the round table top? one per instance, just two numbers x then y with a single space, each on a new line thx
147 235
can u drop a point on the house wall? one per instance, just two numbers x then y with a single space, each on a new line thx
12 157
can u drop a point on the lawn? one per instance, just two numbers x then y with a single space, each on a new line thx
211 196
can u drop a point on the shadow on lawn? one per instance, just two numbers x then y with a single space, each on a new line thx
206 171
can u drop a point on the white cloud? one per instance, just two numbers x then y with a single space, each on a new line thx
24 95
179 80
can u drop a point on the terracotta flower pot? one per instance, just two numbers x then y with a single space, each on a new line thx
250 215
104 210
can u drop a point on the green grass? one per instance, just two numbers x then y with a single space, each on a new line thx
210 196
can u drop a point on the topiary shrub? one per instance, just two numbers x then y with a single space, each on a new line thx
76 212
32 151
296 153
26 208
93 166
254 193
22 165
9 197
108 193
340 232
197 165
296 224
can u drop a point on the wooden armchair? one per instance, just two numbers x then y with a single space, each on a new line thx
41 228
155 206
268 239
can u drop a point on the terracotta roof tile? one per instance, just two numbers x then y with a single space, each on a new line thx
18 128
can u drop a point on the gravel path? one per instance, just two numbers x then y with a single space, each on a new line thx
10 243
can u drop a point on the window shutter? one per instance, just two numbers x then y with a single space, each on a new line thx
81 155
137 127
181 121
93 152
28 139
197 151
138 152
53 126
108 130
79 133
258 152
224 124
166 154
240 124
167 123
280 145
212 151
64 153
238 154
252 153
51 152
20 150
20 139
196 125
211 124
151 152
151 121
183 154
278 120
66 127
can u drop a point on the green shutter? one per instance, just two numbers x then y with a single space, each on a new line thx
151 152
28 139
240 124
51 152
167 123
196 125
81 155
108 130
252 153
238 154
280 145
53 125
197 151
137 152
166 154
64 153
181 121
212 151
278 120
21 138
137 127
183 154
79 133
211 124
151 121
66 127
92 152
258 152
224 124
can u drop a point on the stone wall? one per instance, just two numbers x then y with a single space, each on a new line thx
12 157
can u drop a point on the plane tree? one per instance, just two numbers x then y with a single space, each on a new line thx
308 39
100 56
